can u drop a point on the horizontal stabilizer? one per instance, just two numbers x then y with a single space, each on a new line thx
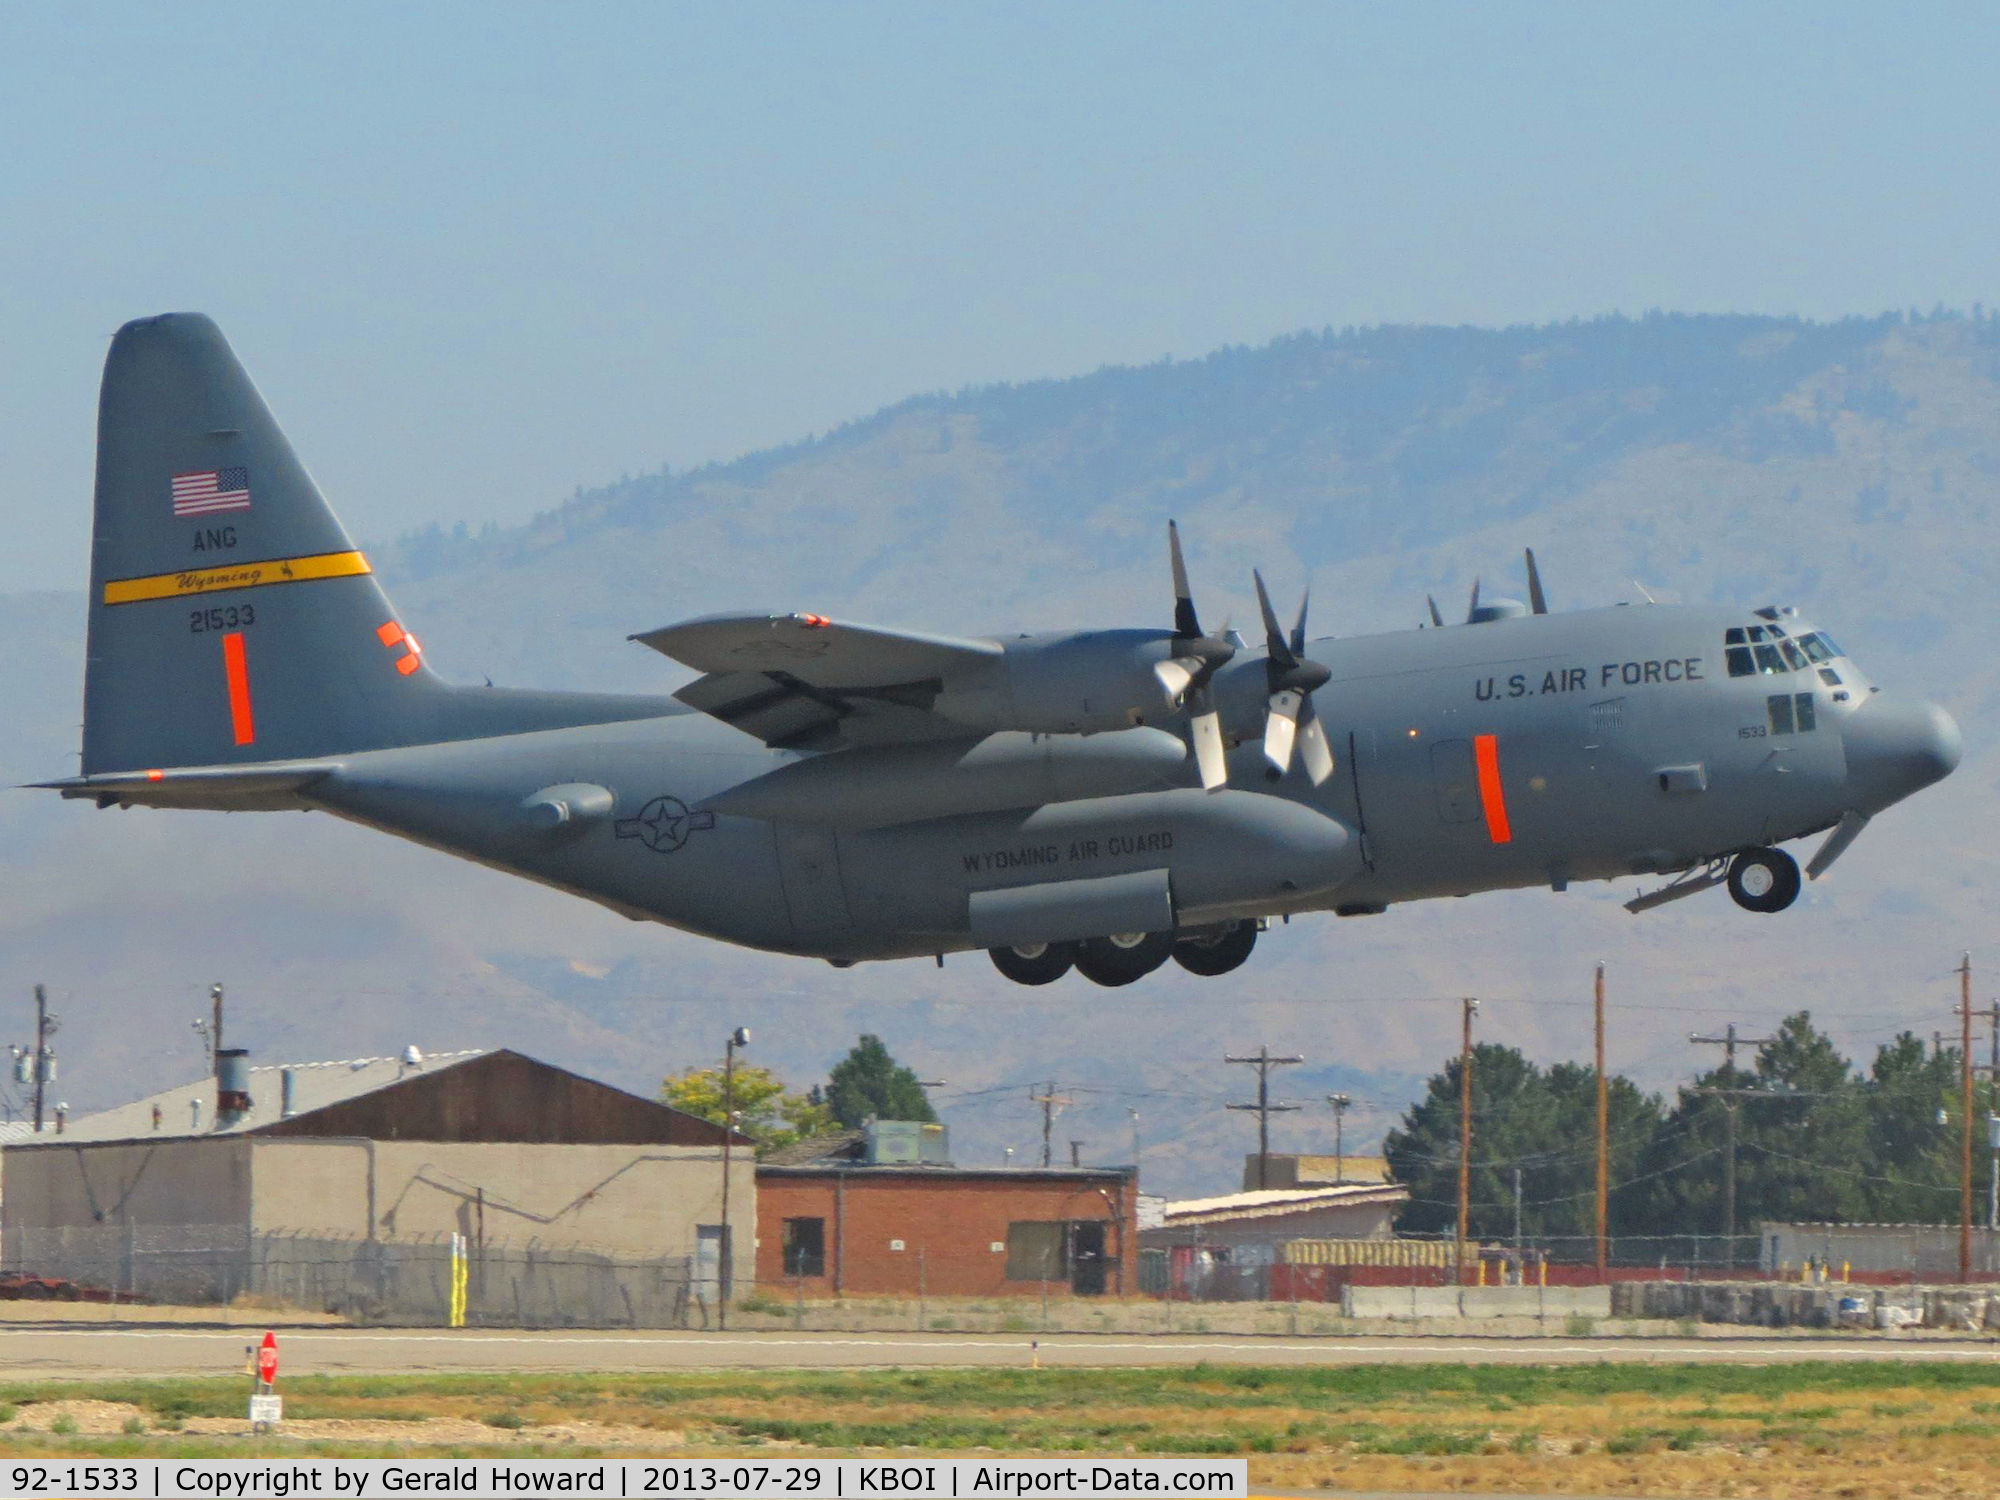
274 785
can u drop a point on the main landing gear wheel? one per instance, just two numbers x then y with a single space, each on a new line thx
1123 958
1209 957
1035 963
1763 880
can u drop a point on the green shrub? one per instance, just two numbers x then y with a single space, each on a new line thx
506 1421
135 1425
64 1426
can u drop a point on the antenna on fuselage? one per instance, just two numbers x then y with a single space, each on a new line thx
1436 618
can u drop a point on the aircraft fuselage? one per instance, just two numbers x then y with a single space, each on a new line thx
1517 752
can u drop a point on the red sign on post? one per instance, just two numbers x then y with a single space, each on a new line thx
267 1359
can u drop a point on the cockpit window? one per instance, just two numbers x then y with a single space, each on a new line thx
1830 677
1756 632
1827 641
1733 636
1740 664
1768 659
1814 647
1793 658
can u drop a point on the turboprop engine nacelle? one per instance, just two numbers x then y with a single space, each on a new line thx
1080 682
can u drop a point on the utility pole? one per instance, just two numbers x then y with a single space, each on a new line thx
1992 1070
1965 1134
1051 1102
45 1027
1729 1041
1603 1139
1469 1007
210 1031
1339 1103
1076 1153
1132 1110
1263 1062
740 1037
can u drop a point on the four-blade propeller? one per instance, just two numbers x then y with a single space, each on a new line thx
1291 724
1186 674
1292 680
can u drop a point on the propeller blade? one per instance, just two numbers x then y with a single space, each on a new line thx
1436 618
1537 600
1206 729
1176 676
1299 625
1313 748
1185 622
1473 608
1274 635
1281 727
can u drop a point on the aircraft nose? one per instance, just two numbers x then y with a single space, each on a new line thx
1897 746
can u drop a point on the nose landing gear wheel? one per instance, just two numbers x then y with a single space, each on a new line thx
1763 880
1123 958
1217 955
1038 963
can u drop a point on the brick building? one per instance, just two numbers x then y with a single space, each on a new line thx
838 1223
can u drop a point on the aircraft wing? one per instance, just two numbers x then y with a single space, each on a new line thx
799 679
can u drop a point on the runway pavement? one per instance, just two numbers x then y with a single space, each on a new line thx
166 1350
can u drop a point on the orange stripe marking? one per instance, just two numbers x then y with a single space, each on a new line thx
237 670
1486 754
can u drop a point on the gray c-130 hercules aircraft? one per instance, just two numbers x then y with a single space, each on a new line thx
1101 800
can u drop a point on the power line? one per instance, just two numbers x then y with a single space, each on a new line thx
1263 1062
1052 1104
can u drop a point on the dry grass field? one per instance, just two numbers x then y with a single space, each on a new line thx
1820 1430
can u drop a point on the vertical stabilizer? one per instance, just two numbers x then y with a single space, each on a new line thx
232 619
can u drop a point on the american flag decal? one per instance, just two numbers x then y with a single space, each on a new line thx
217 489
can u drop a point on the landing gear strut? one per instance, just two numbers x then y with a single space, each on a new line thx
1217 954
1035 963
1763 880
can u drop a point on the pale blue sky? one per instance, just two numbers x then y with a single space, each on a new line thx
477 254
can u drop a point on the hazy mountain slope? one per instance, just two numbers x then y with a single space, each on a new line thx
1852 469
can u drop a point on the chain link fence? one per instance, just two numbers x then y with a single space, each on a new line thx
379 1281
1235 1266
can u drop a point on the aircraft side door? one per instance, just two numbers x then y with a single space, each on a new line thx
1455 779
809 868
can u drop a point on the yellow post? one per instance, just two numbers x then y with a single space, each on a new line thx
1545 1269
1482 1273
1844 1265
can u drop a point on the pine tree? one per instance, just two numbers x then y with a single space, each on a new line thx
869 1084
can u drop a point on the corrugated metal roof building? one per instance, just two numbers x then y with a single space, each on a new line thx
163 1198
